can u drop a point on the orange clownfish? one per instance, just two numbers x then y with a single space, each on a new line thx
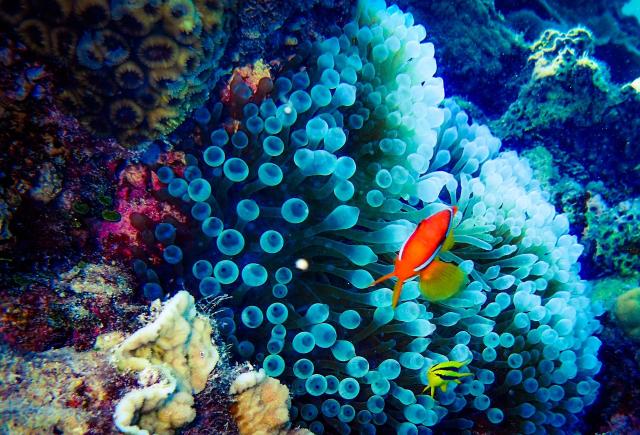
419 256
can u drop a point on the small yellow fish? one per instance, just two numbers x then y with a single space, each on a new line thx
441 374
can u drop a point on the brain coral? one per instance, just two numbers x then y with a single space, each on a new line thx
133 68
307 196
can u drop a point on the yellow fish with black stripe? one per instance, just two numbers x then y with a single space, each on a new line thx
439 375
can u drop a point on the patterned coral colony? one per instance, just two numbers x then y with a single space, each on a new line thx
221 223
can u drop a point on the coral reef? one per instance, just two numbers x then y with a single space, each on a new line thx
607 290
570 91
69 391
140 208
307 194
570 189
616 36
213 404
174 357
54 177
615 411
612 233
58 391
279 201
128 69
90 299
497 36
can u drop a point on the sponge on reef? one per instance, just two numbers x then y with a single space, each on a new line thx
262 404
174 356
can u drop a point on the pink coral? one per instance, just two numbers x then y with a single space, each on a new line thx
140 209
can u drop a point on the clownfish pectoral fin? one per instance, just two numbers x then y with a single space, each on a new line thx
397 290
440 280
383 278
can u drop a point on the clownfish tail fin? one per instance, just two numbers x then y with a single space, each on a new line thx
383 278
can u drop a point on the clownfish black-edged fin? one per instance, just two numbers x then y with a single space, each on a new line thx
440 280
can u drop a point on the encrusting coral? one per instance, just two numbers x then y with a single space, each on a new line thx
132 69
174 357
309 193
615 36
261 405
58 391
614 233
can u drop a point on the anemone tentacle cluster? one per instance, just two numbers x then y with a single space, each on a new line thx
135 68
335 168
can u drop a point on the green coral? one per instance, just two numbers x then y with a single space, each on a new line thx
607 290
627 312
615 232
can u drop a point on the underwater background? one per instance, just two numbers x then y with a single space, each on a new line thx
197 195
